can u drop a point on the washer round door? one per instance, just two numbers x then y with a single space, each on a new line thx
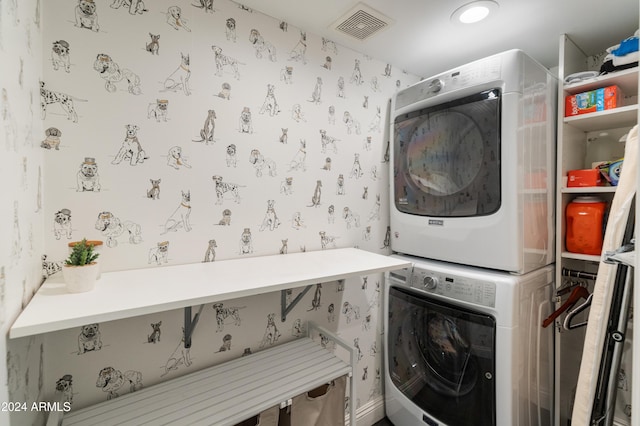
442 358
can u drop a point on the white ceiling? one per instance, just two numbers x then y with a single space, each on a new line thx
423 41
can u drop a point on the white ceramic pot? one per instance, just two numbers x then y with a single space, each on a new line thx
80 278
97 248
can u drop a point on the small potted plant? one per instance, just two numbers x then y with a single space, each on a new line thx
80 270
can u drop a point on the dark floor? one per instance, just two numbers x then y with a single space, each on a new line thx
384 422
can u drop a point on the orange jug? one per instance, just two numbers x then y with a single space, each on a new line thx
585 223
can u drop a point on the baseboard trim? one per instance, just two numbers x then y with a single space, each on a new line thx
370 413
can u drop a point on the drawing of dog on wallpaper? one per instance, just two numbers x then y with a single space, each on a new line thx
112 381
112 228
158 110
261 46
89 339
154 337
299 159
270 103
175 19
175 158
351 123
179 79
210 254
49 267
206 133
271 333
154 192
111 73
223 61
62 224
260 163
48 97
179 356
87 178
231 155
86 16
350 218
64 386
230 29
131 148
60 55
299 51
207 5
270 220
222 188
159 254
246 242
180 217
246 123
223 314
326 141
135 6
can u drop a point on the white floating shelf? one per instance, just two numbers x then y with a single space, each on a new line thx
125 294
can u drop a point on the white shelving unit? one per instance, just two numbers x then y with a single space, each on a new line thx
126 294
228 393
583 139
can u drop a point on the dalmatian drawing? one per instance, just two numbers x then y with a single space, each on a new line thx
223 314
112 228
131 149
223 61
48 97
86 16
62 224
327 141
222 188
87 178
111 73
260 163
49 267
112 381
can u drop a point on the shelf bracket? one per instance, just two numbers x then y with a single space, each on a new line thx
190 324
283 301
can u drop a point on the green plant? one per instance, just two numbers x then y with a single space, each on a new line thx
82 253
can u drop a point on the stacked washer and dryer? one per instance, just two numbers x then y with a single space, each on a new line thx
472 207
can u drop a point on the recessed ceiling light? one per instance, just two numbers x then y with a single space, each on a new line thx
474 12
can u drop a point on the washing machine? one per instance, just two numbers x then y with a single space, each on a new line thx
465 346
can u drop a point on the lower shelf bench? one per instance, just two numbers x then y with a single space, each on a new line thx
227 393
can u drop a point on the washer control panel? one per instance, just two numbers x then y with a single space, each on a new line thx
456 287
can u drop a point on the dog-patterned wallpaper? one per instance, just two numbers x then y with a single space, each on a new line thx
181 131
22 206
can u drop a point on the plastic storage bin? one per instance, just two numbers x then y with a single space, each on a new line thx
585 220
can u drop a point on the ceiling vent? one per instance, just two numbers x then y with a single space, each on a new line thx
362 22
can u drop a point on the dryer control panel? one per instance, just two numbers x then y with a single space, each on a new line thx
471 290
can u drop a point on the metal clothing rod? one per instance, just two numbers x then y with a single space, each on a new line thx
566 272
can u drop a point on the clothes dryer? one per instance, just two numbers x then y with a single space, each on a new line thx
473 165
